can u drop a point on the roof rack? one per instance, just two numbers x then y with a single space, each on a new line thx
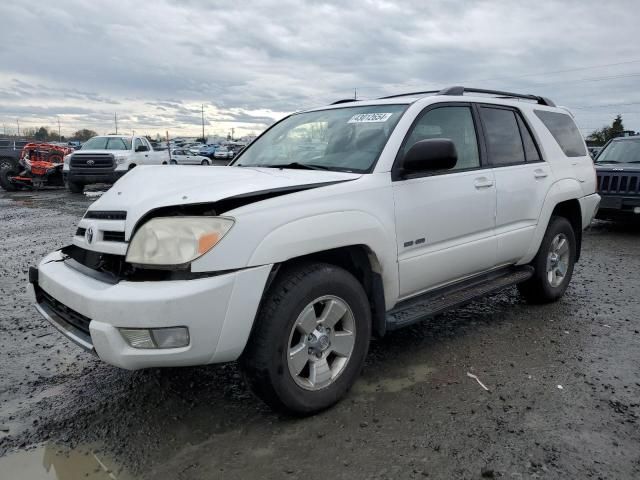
458 91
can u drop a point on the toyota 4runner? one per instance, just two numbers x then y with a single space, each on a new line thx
336 224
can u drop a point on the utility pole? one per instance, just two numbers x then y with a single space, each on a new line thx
59 134
115 118
233 134
355 93
168 147
18 122
203 139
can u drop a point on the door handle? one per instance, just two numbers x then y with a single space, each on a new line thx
483 182
539 173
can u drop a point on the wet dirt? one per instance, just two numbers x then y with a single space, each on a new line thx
563 380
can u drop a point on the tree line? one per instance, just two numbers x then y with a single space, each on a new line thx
46 134
606 133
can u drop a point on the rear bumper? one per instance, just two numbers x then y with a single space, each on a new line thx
589 205
218 311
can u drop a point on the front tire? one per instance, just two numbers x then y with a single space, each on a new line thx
553 263
310 339
74 187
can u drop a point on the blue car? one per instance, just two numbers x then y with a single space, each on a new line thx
208 151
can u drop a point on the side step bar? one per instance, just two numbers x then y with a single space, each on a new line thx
437 301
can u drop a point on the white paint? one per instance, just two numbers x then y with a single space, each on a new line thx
471 222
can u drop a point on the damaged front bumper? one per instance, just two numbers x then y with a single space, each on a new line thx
218 311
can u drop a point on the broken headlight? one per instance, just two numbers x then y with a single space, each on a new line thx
176 241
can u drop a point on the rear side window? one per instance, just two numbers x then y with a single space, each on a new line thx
530 149
565 132
502 135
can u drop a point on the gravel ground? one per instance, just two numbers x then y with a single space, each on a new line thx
563 380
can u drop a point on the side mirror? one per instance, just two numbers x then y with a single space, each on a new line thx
430 156
142 148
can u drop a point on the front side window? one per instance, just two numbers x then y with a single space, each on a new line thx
504 145
565 132
344 139
453 123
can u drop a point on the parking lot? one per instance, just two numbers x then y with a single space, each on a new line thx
562 379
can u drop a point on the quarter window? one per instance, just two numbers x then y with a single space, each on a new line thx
453 123
504 145
565 132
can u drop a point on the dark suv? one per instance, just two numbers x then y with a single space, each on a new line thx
10 152
618 170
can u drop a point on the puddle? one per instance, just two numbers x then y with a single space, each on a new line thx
50 462
405 378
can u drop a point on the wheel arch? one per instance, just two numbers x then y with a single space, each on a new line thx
571 210
562 199
361 262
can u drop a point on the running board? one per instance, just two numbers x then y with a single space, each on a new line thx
437 301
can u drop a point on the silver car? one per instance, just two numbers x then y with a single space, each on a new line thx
185 157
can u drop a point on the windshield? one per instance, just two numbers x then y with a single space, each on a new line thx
107 143
345 139
625 151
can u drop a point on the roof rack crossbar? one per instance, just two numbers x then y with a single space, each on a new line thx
459 91
410 94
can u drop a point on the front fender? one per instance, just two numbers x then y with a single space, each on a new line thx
560 191
326 231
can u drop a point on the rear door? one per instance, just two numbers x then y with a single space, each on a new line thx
444 220
522 179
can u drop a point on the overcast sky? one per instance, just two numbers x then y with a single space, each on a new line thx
250 62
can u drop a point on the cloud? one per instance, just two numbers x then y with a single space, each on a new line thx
156 63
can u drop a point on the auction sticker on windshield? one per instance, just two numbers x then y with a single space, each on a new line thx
370 117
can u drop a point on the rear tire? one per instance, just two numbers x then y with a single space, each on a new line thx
173 162
204 162
74 187
310 339
553 263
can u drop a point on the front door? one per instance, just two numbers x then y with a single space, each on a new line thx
445 222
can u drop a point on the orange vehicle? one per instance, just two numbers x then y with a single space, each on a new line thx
39 165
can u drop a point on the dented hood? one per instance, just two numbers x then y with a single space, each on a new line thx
146 188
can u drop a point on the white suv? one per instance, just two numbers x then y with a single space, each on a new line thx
336 224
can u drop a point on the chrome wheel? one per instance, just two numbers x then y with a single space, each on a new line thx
321 342
558 260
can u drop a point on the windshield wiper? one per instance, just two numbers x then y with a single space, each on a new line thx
607 161
298 165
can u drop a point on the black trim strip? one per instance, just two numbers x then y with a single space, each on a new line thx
106 214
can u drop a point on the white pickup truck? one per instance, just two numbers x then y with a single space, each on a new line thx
104 159
336 224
